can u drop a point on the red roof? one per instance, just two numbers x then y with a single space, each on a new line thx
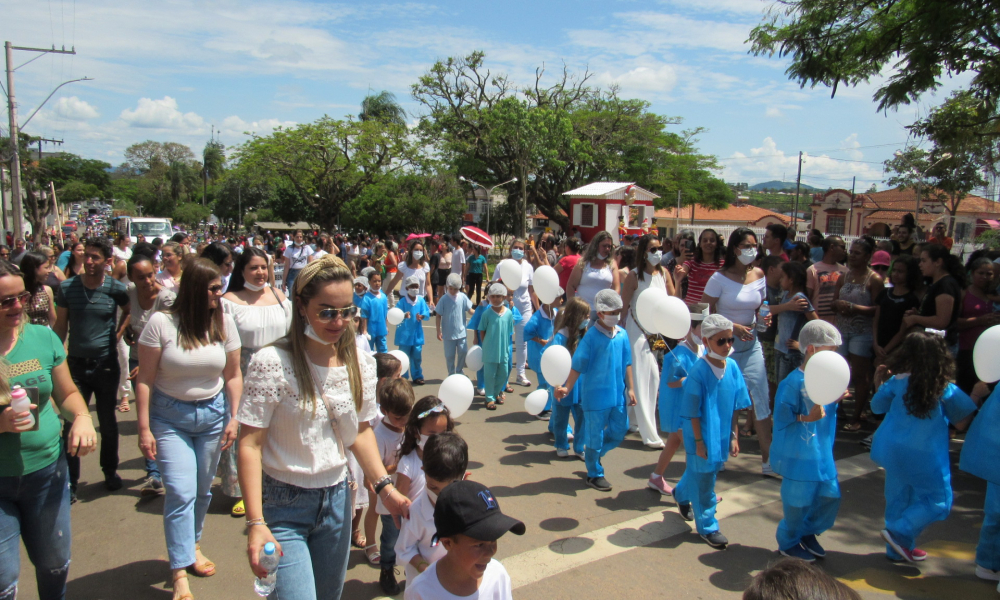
905 200
741 214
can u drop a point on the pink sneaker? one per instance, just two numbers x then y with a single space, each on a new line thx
918 554
659 484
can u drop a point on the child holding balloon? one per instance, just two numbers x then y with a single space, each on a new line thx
802 452
605 356
497 325
410 333
911 444
570 326
375 311
538 332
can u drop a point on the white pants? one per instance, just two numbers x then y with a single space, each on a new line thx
124 385
521 345
646 380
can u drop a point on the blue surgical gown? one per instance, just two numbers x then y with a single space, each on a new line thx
376 309
676 365
801 451
573 397
712 400
982 442
411 331
540 326
603 360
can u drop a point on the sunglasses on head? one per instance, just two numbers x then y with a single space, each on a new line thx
725 341
430 411
329 314
9 301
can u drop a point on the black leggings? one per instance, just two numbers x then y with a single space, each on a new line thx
475 282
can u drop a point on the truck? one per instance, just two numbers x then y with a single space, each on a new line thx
150 227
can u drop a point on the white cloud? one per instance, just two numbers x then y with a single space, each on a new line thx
235 125
774 112
640 32
717 6
768 162
653 78
162 114
74 109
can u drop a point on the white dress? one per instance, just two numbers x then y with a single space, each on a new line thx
645 371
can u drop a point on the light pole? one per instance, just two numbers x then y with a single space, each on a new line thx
489 195
920 178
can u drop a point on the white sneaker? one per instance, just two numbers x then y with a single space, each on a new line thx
633 428
523 381
765 469
562 453
480 392
657 445
987 574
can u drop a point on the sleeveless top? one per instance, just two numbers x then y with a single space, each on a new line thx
258 326
655 281
592 281
38 308
856 293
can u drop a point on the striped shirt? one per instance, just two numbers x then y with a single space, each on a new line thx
92 324
698 275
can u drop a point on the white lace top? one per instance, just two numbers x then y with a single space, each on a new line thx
301 445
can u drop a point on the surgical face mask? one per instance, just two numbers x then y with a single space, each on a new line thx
713 354
254 288
432 497
602 256
610 321
452 292
517 254
311 334
583 326
417 254
423 440
654 257
412 293
747 255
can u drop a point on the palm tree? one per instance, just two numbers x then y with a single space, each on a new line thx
383 107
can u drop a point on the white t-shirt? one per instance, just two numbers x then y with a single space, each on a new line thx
298 256
494 586
416 536
120 254
188 374
457 260
737 302
301 447
388 442
412 466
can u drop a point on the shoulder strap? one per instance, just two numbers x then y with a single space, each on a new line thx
276 296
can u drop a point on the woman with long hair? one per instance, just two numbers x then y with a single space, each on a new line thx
595 271
187 356
56 275
697 271
976 316
172 256
737 293
646 373
75 265
942 303
41 309
309 398
296 257
525 302
416 265
262 315
222 255
34 478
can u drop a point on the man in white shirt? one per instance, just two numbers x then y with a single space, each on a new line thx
457 256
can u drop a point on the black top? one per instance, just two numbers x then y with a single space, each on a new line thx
928 308
898 250
893 309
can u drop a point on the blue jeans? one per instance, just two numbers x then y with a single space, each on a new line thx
387 541
415 354
188 445
35 508
604 429
454 354
151 469
749 356
313 527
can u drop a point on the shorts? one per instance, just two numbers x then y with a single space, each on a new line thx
770 362
856 344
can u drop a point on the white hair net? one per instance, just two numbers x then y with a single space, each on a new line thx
818 333
713 324
363 281
368 271
607 301
411 281
498 289
454 280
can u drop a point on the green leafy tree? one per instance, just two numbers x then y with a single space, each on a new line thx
77 191
426 201
65 168
168 172
191 213
382 107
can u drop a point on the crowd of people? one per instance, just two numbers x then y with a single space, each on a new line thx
265 361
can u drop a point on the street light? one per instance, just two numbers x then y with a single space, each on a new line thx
489 195
920 178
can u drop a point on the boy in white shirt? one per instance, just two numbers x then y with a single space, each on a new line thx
446 456
469 523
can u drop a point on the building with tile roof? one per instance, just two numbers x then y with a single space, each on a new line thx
696 218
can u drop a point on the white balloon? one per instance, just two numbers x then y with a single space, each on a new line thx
474 358
536 401
456 392
645 307
546 284
827 377
672 318
556 364
986 355
510 273
395 316
403 359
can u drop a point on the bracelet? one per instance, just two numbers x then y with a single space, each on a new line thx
83 414
252 522
381 483
696 440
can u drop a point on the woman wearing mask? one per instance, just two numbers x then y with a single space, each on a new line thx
308 400
296 258
646 373
525 302
737 293
262 315
594 272
172 255
697 271
186 357
416 265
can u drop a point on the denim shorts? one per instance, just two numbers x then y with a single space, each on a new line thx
857 344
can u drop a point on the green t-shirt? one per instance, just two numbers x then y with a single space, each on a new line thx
31 362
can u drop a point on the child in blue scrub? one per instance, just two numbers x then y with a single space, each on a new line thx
911 444
375 311
571 324
979 458
452 310
605 356
410 333
361 288
539 332
497 325
802 453
676 365
713 391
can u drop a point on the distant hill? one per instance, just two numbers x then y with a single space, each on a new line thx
783 186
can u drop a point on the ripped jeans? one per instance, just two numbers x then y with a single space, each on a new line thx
35 508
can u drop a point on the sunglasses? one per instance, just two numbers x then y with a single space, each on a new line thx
430 411
329 314
9 301
215 289
725 341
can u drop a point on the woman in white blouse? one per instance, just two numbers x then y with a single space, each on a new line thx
737 292
416 265
308 400
296 257
262 315
187 355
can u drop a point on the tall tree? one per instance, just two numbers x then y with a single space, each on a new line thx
382 107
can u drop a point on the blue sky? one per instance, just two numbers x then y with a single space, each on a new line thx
171 70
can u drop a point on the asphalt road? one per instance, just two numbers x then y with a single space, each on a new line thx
580 543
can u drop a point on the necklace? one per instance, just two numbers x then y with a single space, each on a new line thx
90 299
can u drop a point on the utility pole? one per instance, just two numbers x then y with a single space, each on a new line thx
798 186
850 219
677 225
15 170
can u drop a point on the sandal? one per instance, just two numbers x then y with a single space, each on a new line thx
358 539
123 406
509 389
187 595
491 406
500 399
373 557
747 432
852 426
239 509
205 569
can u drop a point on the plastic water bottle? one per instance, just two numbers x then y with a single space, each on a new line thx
764 311
19 403
269 560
